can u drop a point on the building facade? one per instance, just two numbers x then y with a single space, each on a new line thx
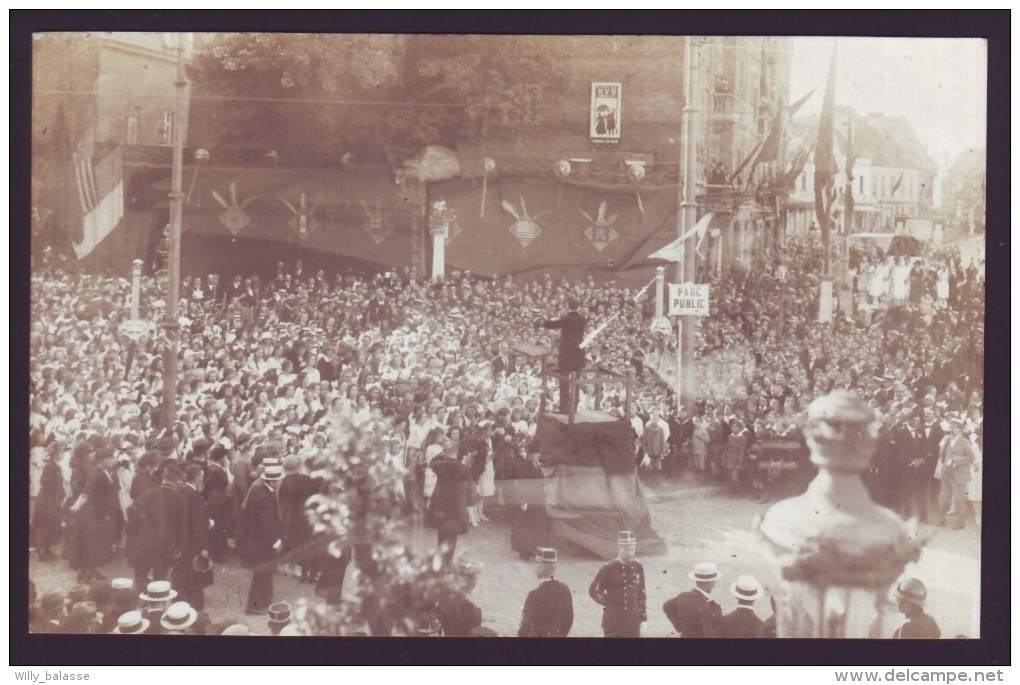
583 194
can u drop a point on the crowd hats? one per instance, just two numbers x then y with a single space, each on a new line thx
178 616
279 612
626 537
131 623
273 472
704 572
158 591
912 590
235 630
747 588
545 555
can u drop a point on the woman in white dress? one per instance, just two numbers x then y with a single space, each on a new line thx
900 279
877 285
942 286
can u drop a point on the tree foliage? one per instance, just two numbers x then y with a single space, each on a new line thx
322 95
397 591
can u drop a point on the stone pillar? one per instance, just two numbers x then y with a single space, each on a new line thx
660 285
834 551
136 286
440 230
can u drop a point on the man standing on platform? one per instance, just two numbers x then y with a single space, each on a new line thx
620 588
549 608
571 357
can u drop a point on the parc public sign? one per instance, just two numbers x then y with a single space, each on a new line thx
688 299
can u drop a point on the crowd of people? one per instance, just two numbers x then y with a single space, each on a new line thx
263 363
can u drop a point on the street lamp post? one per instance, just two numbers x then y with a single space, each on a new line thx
170 321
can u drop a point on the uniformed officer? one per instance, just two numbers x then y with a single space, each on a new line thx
910 596
742 621
549 608
695 613
619 587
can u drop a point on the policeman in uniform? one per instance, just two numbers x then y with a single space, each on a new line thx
695 613
910 596
549 608
619 587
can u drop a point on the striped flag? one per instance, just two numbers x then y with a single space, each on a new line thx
100 193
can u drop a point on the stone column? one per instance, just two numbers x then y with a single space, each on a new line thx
835 552
440 230
136 280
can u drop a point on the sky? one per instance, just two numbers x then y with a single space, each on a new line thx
939 84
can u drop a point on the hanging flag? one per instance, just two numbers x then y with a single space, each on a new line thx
100 193
848 194
825 159
768 149
747 159
673 252
800 159
897 184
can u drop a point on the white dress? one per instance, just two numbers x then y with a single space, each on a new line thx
942 285
487 481
900 282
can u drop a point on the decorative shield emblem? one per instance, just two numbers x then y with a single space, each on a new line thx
378 225
303 222
234 218
600 230
526 228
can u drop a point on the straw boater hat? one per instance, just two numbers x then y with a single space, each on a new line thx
704 572
279 612
131 623
235 629
179 616
747 587
274 472
545 555
158 591
626 537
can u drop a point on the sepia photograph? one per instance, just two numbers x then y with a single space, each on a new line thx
406 335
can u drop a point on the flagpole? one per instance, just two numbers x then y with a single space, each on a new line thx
171 322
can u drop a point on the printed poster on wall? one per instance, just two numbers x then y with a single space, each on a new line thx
604 124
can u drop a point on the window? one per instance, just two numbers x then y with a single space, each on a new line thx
862 185
167 131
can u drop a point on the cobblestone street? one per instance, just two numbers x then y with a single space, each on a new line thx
697 524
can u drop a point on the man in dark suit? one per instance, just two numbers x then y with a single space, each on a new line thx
571 356
549 608
909 448
160 516
502 362
694 613
742 621
262 538
932 439
193 569
619 587
457 614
